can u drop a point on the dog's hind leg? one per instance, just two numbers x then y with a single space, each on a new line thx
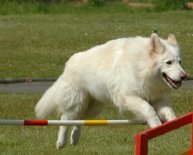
75 135
76 130
62 134
63 131
93 109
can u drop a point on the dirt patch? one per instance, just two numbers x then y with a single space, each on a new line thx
139 5
189 5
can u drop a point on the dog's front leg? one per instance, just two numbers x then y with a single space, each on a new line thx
164 110
141 108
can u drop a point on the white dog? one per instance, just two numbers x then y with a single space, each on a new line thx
134 74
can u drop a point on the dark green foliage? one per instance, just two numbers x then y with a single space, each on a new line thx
97 2
171 4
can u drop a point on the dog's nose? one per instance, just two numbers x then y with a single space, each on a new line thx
183 76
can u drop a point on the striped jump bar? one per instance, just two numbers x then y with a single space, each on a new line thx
70 122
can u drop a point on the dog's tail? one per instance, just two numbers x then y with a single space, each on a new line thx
48 103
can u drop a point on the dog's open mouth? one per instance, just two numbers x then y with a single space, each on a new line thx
172 83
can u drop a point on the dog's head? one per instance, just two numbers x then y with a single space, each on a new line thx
167 59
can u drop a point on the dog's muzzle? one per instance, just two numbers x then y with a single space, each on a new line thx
173 83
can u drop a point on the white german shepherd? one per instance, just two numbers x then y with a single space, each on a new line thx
134 74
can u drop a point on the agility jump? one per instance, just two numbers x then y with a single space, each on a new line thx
143 137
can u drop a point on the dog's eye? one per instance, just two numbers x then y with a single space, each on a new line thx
180 62
169 62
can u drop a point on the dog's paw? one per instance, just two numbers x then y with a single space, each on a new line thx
60 145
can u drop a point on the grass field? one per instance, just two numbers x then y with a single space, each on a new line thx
38 45
18 140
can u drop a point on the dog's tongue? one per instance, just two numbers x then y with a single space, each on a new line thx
174 84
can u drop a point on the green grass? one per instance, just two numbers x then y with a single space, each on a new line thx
19 140
39 45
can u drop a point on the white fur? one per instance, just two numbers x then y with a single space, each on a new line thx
126 72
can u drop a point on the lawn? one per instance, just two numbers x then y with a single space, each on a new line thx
30 45
18 140
38 45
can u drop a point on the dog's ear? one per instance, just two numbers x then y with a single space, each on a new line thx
156 46
172 40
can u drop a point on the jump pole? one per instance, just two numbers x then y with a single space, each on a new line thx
70 122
